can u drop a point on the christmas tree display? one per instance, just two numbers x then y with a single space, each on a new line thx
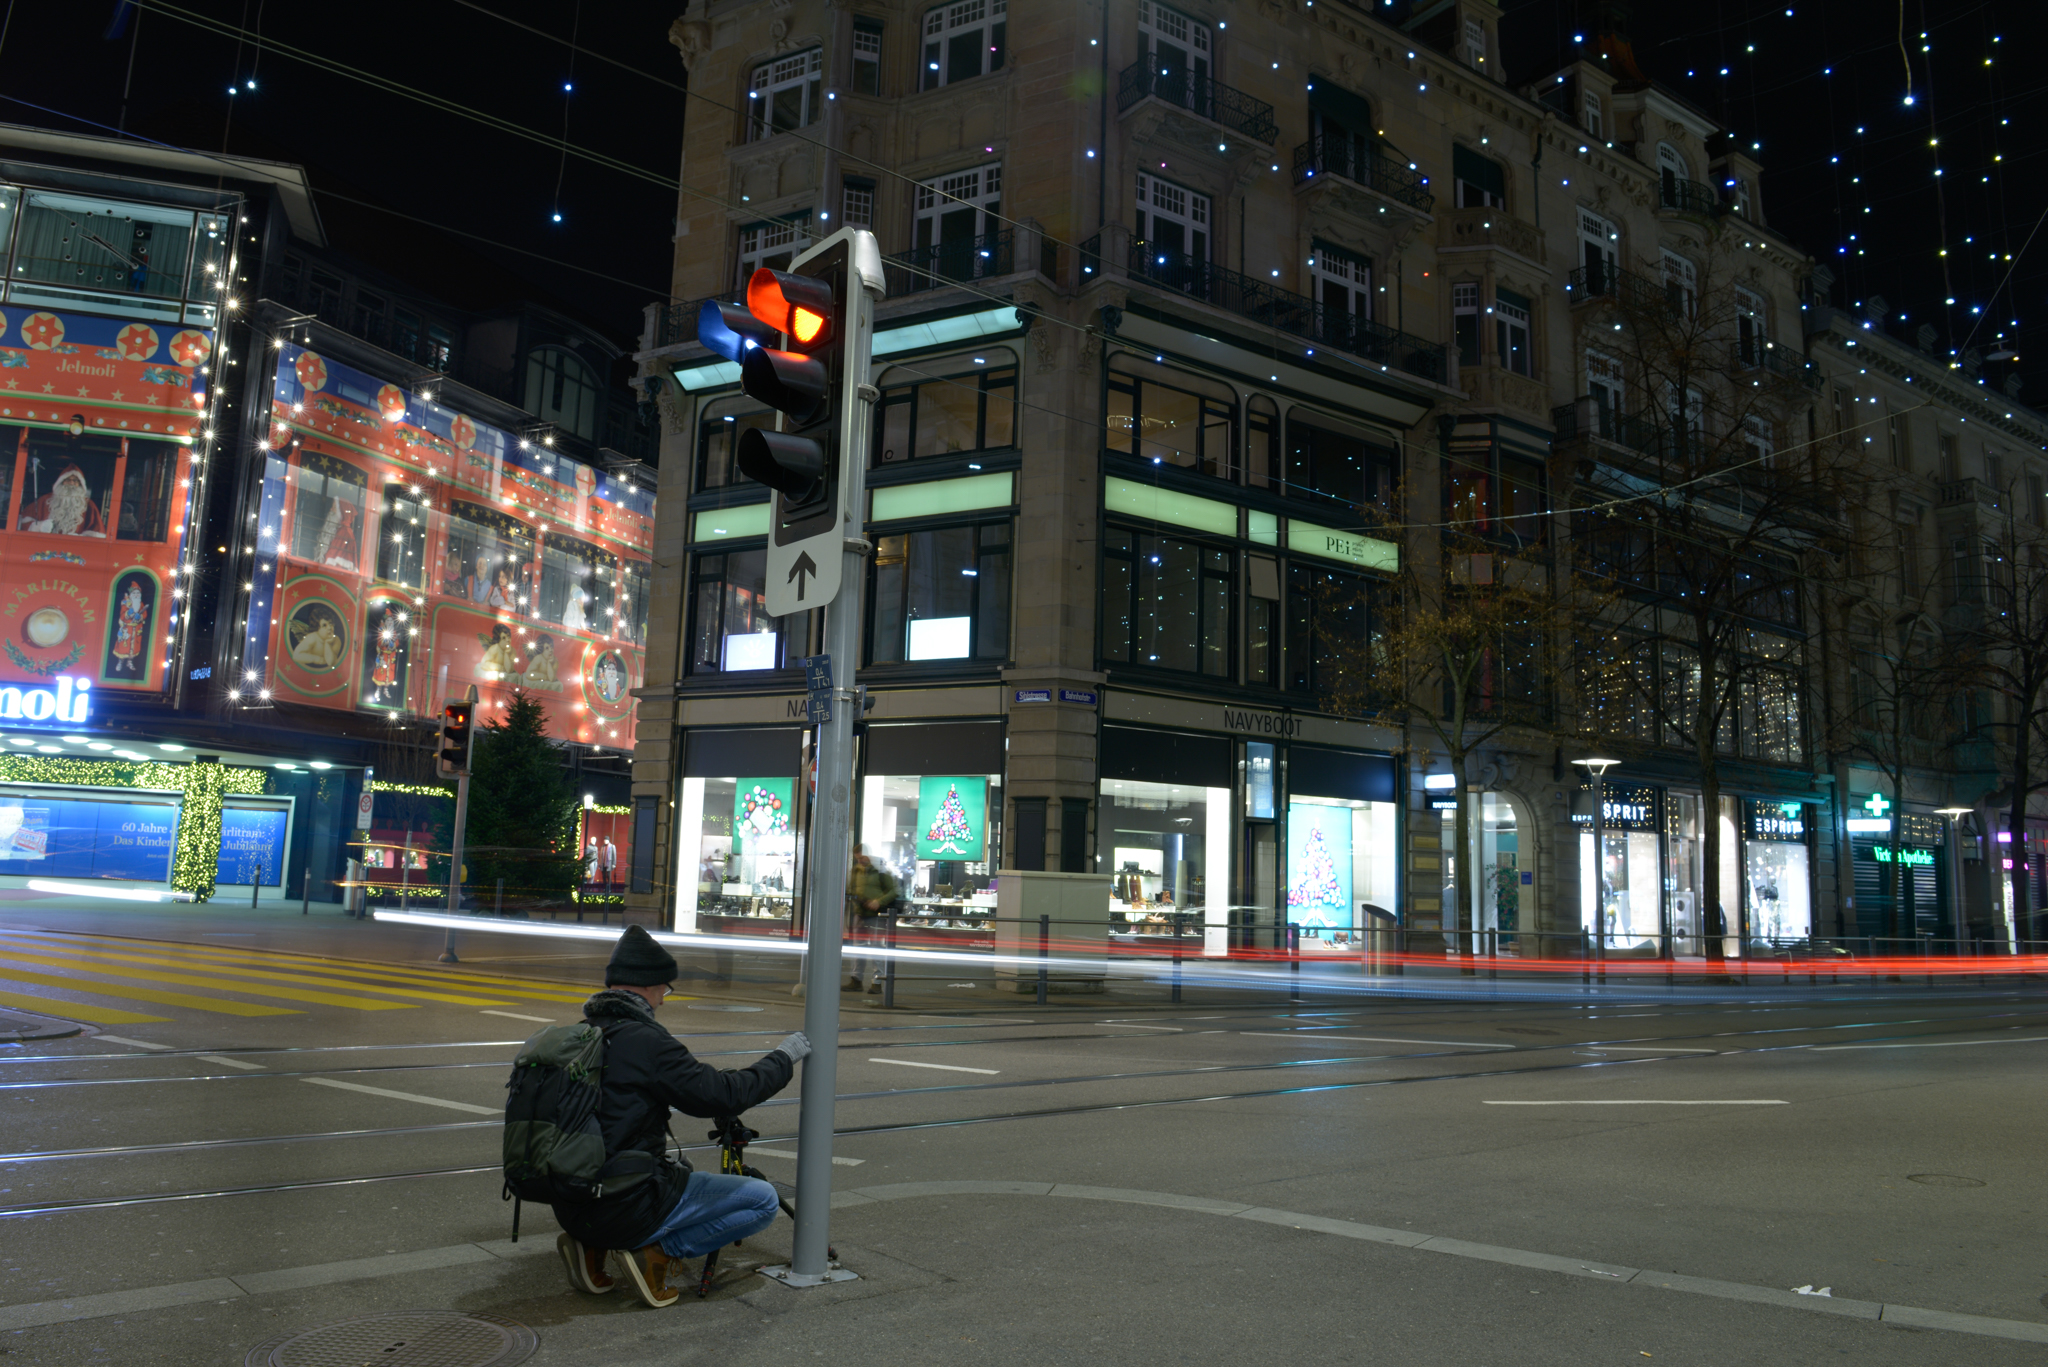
1318 865
1315 883
950 817
760 809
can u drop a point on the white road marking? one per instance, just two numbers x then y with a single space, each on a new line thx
1125 1025
230 1062
1647 1048
942 1067
1635 1103
1932 1044
515 1016
405 1096
131 1043
753 1149
1300 1038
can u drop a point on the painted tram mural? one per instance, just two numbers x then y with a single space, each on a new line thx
97 419
406 551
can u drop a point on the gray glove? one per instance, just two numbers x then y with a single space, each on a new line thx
796 1046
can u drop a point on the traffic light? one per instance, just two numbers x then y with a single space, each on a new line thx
452 760
802 345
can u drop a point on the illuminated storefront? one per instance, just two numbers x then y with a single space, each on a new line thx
1627 911
1777 881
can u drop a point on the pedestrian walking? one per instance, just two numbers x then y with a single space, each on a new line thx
870 893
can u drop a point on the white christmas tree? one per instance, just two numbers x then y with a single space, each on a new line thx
1315 882
950 826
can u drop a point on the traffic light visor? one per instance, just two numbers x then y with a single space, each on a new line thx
785 380
731 331
794 304
790 465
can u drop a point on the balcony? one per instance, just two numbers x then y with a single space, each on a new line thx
1779 361
1201 96
1295 314
1609 281
1467 229
1688 197
962 261
1344 158
1586 417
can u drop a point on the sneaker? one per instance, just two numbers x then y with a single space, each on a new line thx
852 985
875 986
648 1269
585 1266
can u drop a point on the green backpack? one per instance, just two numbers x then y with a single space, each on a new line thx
554 1152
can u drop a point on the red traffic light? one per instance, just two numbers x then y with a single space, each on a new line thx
797 305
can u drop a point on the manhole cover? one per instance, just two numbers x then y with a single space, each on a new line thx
414 1338
719 1006
1942 1179
1523 1030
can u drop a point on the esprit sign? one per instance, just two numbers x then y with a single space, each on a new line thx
67 702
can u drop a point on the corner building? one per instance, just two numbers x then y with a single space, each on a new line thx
1174 292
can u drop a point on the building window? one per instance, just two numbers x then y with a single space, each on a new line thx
950 404
1173 223
1511 331
368 319
1604 384
867 57
1951 458
1481 183
1599 253
1756 441
1342 283
1262 442
958 228
1750 334
440 353
1326 461
786 94
561 389
730 629
2037 500
857 204
1671 171
1330 628
1495 494
1681 281
962 41
1262 620
1895 434
402 537
1589 117
718 439
1169 417
1475 44
323 294
1166 603
772 245
941 595
1176 50
405 334
1465 321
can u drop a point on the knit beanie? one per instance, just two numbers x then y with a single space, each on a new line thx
639 962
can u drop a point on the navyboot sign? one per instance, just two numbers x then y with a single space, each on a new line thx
68 703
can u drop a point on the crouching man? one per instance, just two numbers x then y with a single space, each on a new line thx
680 1213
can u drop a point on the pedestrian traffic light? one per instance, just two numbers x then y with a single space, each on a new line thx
802 345
452 761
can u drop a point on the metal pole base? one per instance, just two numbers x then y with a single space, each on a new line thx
797 1281
448 951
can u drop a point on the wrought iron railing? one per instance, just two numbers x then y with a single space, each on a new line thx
1346 157
1609 281
1586 416
1688 196
1201 95
964 259
1779 361
678 322
1296 314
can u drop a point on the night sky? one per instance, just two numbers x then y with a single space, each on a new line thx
1849 166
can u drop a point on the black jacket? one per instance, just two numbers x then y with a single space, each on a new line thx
647 1073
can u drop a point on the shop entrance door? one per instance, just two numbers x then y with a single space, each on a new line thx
1254 914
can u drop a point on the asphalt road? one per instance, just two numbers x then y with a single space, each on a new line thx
247 1144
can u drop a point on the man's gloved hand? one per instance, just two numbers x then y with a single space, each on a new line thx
796 1046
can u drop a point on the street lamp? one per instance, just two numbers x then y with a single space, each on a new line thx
1955 859
1598 768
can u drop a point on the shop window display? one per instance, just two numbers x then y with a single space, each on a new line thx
1501 865
745 855
1340 853
1630 871
937 835
1166 847
1780 907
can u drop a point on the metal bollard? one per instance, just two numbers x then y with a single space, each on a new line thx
1044 948
255 886
889 967
1177 920
501 897
1294 961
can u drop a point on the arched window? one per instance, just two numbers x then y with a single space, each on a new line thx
560 389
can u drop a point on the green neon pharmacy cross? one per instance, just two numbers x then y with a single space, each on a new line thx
1876 805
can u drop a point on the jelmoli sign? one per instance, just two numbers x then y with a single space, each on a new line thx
67 702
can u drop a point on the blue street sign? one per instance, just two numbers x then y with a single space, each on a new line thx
818 673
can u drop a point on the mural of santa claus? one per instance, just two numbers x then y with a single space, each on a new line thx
67 509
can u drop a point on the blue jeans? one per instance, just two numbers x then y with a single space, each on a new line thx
716 1209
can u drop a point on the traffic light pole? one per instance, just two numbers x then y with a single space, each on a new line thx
832 814
461 825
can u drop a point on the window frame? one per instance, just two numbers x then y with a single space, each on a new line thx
1195 218
771 248
867 56
992 377
1216 580
1513 315
982 651
944 26
795 626
1208 405
763 85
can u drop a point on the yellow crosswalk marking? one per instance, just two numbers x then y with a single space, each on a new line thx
92 970
113 957
218 1005
76 1011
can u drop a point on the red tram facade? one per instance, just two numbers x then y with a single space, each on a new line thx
403 551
